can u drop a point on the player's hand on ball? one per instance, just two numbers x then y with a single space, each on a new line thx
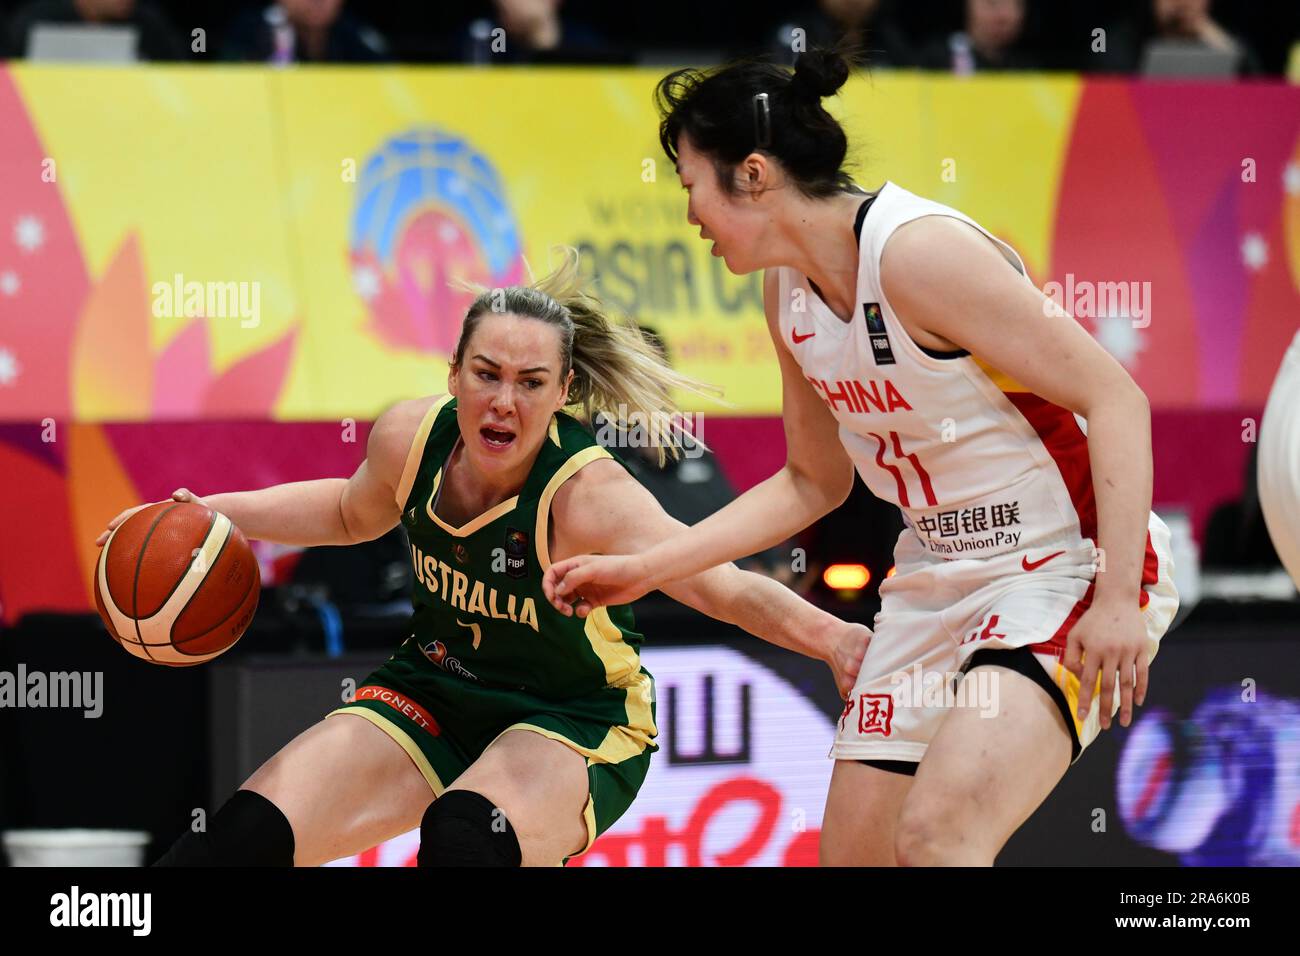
588 581
1110 638
848 648
180 494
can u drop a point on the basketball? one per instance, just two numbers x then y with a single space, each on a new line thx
177 584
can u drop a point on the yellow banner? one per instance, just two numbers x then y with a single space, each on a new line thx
338 204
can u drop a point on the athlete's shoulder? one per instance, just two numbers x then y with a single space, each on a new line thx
399 424
397 437
571 434
587 504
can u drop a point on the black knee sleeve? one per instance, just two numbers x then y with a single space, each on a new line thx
464 828
248 830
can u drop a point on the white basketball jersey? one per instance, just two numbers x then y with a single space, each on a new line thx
978 464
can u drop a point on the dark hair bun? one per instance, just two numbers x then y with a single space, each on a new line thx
819 73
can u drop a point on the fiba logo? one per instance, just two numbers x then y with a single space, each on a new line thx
516 553
879 335
430 211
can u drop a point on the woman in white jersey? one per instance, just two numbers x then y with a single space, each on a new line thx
914 348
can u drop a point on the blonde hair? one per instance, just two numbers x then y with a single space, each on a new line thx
615 367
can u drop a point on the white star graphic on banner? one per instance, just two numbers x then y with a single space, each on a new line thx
366 282
9 283
1254 251
29 233
1291 179
8 367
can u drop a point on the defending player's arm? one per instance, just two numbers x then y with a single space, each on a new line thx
604 510
949 280
326 511
816 478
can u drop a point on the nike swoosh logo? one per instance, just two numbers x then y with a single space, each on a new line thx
474 629
1031 565
799 338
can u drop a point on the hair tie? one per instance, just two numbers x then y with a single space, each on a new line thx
762 122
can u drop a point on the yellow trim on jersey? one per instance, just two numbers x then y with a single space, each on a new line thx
403 740
589 818
553 431
621 743
1003 381
416 451
474 524
469 527
621 660
562 474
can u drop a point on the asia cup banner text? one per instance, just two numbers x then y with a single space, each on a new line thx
206 248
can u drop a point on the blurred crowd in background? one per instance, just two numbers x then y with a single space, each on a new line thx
1172 37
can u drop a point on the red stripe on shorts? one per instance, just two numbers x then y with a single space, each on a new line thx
402 704
1150 572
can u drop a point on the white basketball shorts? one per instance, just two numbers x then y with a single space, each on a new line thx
936 613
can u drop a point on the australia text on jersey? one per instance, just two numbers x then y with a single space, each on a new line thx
469 595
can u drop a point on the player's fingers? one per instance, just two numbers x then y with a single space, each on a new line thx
1073 660
572 579
1107 701
1126 684
1087 683
548 588
583 608
122 516
183 494
117 520
556 574
1140 689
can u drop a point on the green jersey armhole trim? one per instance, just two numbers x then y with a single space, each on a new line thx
562 474
416 452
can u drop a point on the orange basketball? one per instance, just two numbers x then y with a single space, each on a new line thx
177 583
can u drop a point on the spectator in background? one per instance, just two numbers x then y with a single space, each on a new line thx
1129 39
866 27
990 40
157 38
1189 21
303 31
535 32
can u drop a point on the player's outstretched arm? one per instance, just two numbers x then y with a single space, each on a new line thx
326 511
815 479
605 510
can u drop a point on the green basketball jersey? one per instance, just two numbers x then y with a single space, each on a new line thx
479 609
